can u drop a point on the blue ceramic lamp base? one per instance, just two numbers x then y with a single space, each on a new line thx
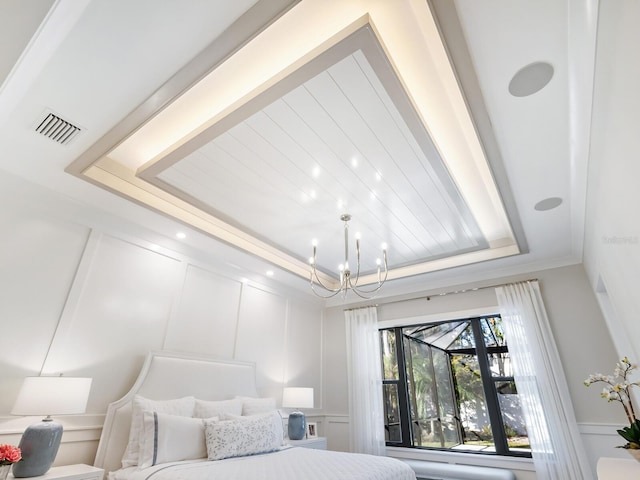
297 426
39 446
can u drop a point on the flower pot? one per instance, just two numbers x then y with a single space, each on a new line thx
635 453
4 471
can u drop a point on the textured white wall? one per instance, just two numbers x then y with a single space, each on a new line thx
82 301
612 236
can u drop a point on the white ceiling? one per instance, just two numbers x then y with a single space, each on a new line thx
432 180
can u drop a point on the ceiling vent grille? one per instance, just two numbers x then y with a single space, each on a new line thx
57 129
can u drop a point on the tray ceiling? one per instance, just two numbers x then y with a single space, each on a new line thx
361 119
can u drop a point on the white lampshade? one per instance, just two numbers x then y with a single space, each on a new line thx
297 397
52 396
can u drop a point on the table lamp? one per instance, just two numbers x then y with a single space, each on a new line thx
46 396
297 397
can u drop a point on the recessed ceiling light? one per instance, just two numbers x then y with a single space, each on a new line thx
316 171
548 204
181 235
531 79
354 162
269 273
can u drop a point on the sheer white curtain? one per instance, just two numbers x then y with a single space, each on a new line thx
366 425
557 449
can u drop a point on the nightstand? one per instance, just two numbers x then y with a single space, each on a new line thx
319 443
615 468
70 472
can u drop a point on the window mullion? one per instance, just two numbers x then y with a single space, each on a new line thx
491 396
403 397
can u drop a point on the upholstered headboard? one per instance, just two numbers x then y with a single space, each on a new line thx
165 376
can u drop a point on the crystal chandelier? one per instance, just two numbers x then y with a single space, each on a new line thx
348 281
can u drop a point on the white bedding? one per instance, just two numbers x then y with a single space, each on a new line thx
289 464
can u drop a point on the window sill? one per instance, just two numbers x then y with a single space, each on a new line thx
496 461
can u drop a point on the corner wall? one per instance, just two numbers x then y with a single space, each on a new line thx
612 233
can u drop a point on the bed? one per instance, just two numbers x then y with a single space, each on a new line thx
159 402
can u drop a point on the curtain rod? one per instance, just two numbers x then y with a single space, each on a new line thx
442 294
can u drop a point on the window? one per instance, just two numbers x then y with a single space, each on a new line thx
449 385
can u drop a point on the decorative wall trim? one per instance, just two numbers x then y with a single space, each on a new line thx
12 425
510 463
599 428
333 418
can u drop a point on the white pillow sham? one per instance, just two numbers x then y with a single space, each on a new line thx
255 406
179 406
215 408
243 436
170 438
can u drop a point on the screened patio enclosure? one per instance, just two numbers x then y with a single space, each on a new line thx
449 385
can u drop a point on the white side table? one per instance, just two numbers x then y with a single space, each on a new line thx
618 468
70 472
319 443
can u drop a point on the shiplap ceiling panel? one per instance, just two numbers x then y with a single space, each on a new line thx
347 128
336 143
453 58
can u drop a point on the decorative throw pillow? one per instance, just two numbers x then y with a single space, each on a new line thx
254 406
243 436
170 438
179 406
208 409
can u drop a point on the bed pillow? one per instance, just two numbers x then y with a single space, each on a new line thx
179 406
170 438
255 406
243 436
208 409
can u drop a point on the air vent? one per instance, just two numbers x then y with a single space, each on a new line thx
57 129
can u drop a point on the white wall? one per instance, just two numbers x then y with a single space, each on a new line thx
79 300
612 236
581 335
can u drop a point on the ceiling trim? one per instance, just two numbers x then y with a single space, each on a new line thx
96 165
152 197
583 34
448 23
120 181
364 40
247 27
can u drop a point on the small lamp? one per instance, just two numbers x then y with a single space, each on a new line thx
297 397
46 396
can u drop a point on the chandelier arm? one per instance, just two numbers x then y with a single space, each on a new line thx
333 291
359 290
317 280
367 295
319 294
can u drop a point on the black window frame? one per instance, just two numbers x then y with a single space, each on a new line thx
481 352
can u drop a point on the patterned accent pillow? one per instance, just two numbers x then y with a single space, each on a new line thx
254 406
179 406
243 436
208 409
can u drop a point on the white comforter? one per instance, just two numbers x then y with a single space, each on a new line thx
289 464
